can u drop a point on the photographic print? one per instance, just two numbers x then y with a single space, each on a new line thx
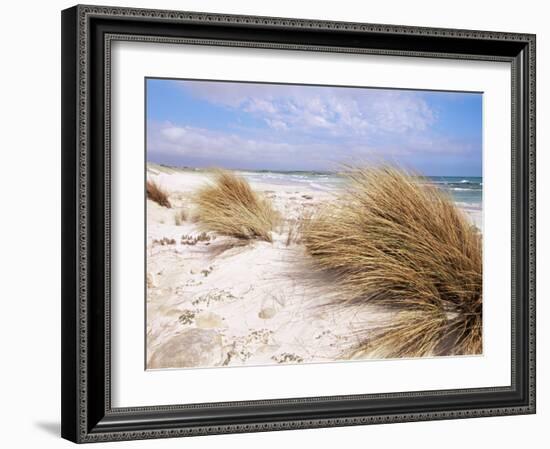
290 224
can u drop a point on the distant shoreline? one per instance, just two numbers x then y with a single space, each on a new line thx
466 191
254 170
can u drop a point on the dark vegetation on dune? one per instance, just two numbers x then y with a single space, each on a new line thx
157 194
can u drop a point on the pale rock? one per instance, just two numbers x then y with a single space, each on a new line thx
267 349
190 348
267 313
151 281
208 320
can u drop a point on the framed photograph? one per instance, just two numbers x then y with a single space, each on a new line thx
275 224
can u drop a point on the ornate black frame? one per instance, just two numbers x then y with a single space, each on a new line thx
87 32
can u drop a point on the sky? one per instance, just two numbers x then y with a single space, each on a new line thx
286 127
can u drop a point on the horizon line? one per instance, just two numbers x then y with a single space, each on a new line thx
332 172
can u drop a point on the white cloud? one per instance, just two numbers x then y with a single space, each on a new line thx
207 147
307 127
201 146
311 109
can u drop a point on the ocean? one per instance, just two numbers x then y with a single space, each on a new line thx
466 190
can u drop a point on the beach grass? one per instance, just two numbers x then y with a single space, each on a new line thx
157 194
295 226
180 217
394 240
230 207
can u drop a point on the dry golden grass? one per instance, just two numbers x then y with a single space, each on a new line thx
293 232
396 241
157 194
180 217
230 207
295 226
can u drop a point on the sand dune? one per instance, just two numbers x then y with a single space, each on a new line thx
219 301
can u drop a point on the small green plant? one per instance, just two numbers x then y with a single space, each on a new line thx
164 241
192 240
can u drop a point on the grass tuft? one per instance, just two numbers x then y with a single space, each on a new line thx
394 240
295 226
230 207
180 217
157 194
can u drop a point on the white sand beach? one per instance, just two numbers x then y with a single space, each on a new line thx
217 301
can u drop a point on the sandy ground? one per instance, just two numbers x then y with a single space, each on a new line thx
212 301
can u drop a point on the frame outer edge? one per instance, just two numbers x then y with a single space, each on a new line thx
532 143
75 21
294 23
83 168
69 263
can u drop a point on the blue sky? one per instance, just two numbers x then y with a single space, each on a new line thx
292 127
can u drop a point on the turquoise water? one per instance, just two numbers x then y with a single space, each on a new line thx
463 189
